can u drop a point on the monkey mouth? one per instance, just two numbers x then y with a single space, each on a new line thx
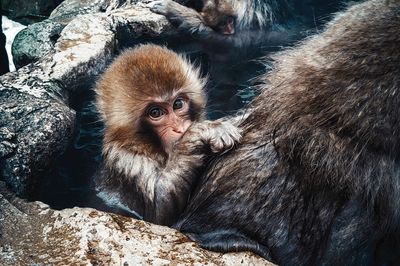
229 29
228 33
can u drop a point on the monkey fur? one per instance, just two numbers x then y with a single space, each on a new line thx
138 172
316 177
253 21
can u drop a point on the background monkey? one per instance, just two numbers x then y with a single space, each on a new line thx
225 23
259 27
150 99
219 15
254 22
231 34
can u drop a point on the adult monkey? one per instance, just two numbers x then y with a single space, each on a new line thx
316 178
242 21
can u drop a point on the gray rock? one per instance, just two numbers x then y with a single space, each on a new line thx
34 100
34 234
39 39
69 9
28 11
35 41
35 125
129 22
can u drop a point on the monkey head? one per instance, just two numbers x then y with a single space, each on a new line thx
148 98
219 15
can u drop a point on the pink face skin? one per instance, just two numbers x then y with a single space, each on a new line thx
228 28
170 120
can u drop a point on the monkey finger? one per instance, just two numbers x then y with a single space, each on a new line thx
231 132
221 145
223 141
159 7
216 146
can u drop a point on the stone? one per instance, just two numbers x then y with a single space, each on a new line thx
35 41
28 11
34 234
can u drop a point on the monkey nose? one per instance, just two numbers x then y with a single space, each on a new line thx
178 130
180 127
229 29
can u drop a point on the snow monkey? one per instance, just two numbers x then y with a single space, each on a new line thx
315 179
156 140
225 23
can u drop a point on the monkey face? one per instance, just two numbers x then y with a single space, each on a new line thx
220 16
221 23
148 98
226 26
169 119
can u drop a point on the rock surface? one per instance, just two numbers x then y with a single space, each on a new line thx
35 41
34 234
39 39
70 9
28 11
35 125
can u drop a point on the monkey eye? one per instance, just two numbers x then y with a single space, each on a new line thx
178 104
226 26
155 112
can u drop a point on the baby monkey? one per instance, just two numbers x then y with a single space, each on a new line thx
156 140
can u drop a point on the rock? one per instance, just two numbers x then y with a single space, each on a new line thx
39 39
34 100
130 22
35 41
35 126
34 234
85 46
70 9
28 11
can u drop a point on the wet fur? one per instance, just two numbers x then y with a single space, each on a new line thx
316 179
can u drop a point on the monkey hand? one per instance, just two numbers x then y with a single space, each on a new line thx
221 136
185 18
160 6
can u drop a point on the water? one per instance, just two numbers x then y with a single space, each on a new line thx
10 29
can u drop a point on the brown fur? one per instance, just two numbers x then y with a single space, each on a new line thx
138 172
121 99
215 12
316 178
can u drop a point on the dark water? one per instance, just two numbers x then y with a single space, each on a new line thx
69 182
